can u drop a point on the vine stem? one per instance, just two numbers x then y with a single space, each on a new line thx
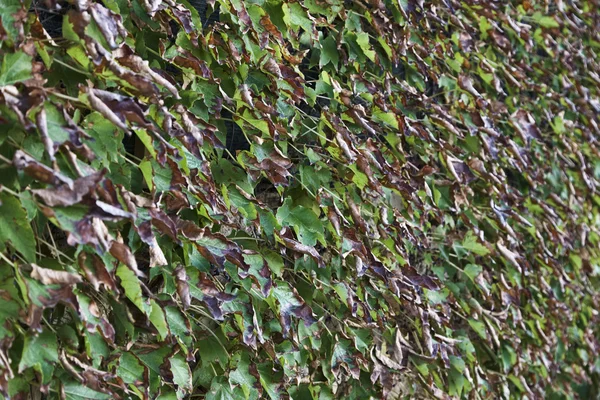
4 159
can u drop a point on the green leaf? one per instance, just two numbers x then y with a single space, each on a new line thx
41 353
436 297
106 140
457 363
155 359
9 16
16 67
77 391
182 376
130 369
470 243
329 52
220 389
14 228
133 290
177 325
146 168
157 317
295 16
478 327
269 380
362 339
509 357
303 220
362 38
242 376
388 118
545 21
472 271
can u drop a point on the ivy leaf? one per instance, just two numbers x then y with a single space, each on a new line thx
106 140
130 369
157 317
77 391
133 290
41 353
472 271
243 377
329 52
362 38
470 243
545 21
268 380
14 228
304 221
10 19
16 67
182 376
295 16
291 304
220 389
478 327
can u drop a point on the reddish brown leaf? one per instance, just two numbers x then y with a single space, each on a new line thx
213 298
39 171
285 236
121 252
96 272
67 195
183 289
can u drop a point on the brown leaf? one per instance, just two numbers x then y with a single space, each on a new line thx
188 60
109 23
125 108
275 166
39 171
500 40
213 298
271 66
509 255
157 257
52 277
96 273
213 246
266 23
296 246
183 288
163 223
105 110
68 195
460 170
525 126
126 57
121 252
184 16
297 308
63 294
356 217
42 125
466 83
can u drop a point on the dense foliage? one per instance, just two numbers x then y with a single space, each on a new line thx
333 199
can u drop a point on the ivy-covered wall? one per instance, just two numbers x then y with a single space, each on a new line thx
332 199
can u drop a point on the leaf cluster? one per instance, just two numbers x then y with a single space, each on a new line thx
413 212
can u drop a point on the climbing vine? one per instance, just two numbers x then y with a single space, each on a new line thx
326 199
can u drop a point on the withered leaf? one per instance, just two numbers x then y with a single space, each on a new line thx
70 194
123 253
213 298
52 277
39 171
183 288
